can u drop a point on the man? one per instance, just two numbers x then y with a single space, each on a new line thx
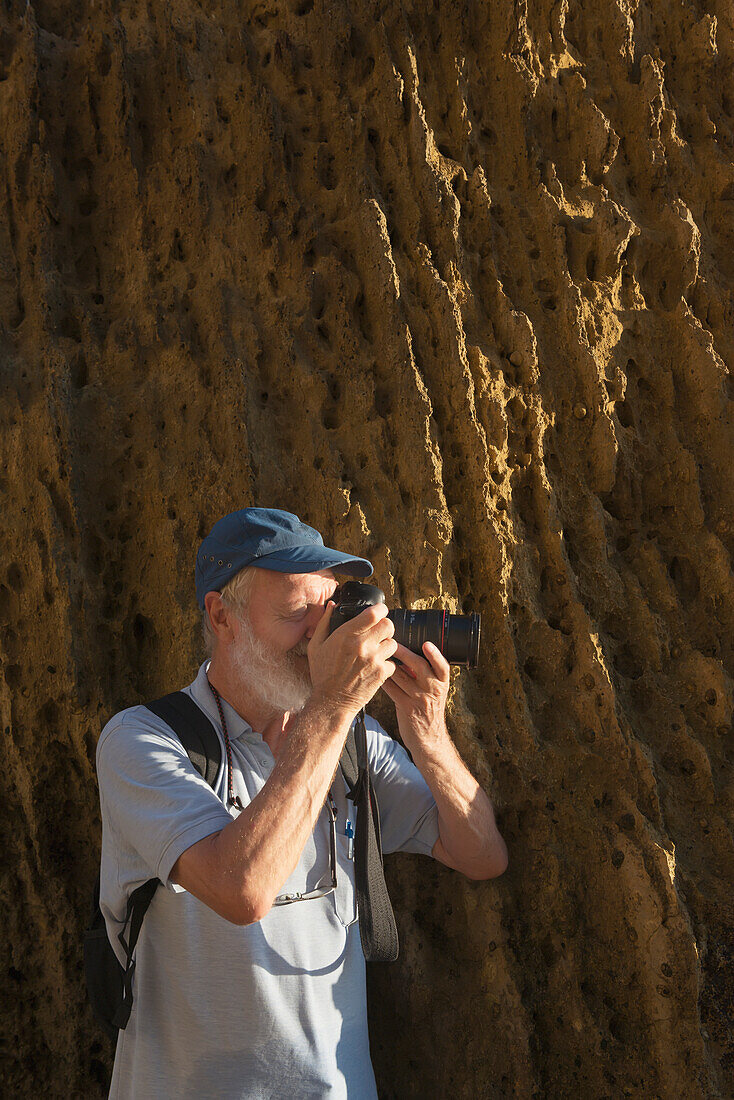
250 976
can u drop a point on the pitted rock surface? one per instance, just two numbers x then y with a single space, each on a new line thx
453 282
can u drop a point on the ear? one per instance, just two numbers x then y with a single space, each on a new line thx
220 617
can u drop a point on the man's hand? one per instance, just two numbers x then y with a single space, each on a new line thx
349 666
419 688
468 839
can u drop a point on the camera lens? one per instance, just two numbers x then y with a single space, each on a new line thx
457 636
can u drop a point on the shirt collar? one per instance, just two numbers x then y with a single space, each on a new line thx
203 695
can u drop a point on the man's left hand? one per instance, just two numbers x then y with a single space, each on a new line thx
419 688
468 838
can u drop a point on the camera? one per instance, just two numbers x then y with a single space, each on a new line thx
457 636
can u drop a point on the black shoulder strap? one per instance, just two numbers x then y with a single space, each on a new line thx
377 928
198 736
194 731
348 761
137 907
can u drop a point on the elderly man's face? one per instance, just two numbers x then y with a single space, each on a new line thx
270 649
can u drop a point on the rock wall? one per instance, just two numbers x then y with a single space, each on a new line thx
453 282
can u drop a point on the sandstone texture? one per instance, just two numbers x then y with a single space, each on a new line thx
453 281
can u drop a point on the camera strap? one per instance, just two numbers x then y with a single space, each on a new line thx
377 927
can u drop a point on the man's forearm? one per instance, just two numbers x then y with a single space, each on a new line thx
468 836
250 859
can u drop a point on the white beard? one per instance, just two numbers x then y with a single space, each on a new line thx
274 676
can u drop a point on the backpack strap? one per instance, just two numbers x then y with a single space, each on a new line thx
193 729
198 736
137 907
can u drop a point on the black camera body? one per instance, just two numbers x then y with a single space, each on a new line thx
456 636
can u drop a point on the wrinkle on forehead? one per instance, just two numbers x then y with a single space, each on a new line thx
309 587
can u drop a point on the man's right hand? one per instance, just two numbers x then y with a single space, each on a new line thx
349 666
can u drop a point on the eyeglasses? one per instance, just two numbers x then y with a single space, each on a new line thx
319 891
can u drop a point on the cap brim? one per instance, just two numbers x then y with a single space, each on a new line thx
311 559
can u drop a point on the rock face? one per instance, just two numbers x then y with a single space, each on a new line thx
454 284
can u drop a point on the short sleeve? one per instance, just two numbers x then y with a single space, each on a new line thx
152 798
408 811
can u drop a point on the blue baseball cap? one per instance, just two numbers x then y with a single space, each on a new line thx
269 539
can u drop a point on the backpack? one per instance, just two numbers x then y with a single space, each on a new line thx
110 985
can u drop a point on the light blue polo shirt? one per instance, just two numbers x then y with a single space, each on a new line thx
271 1010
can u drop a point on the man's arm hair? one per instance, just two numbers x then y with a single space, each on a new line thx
238 871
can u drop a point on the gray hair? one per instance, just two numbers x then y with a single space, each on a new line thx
235 595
